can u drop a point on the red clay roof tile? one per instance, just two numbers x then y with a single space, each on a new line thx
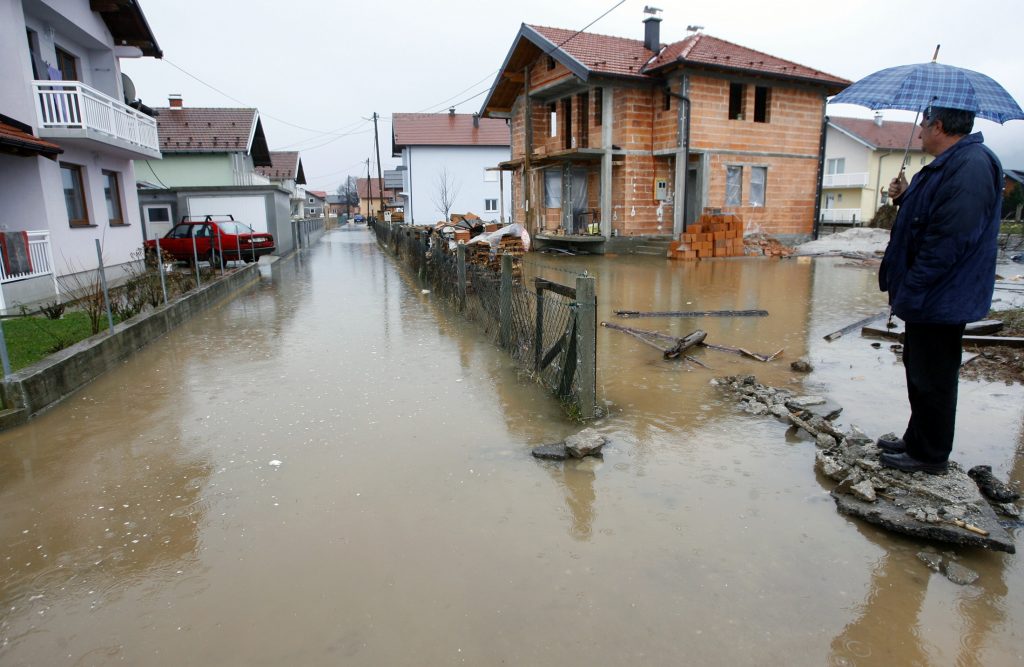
445 129
890 134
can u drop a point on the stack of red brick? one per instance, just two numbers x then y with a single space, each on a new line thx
715 235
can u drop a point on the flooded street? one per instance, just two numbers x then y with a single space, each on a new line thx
331 468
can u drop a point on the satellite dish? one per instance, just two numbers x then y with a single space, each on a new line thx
129 88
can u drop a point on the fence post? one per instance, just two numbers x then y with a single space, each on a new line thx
5 359
538 333
586 344
195 258
103 281
505 301
160 269
460 255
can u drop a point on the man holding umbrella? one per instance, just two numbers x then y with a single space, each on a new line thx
939 267
939 271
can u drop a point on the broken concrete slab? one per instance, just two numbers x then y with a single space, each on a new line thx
587 442
931 559
555 452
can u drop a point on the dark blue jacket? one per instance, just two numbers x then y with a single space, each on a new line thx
940 264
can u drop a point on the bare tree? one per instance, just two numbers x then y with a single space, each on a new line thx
447 190
349 193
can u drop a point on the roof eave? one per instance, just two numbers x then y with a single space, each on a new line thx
831 87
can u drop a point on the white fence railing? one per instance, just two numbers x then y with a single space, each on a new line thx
853 180
74 105
842 215
39 252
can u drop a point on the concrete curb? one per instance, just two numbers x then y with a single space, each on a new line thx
33 389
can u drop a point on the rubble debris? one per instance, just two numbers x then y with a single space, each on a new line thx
991 487
859 324
762 244
676 345
947 507
931 559
765 358
587 442
802 366
803 402
959 574
692 313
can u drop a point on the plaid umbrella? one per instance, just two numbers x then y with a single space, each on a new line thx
916 87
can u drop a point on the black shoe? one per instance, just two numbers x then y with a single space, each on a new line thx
891 444
907 463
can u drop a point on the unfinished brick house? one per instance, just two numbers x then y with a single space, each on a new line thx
615 137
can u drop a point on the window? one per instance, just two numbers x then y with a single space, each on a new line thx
667 101
836 165
158 213
38 69
67 64
553 119
598 105
490 176
733 186
758 180
490 205
737 100
551 63
310 200
553 188
74 194
112 193
762 103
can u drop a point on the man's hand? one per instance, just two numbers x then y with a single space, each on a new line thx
897 186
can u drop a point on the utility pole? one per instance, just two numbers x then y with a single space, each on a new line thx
380 174
369 188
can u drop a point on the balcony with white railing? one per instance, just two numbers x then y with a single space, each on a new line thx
842 216
72 112
852 180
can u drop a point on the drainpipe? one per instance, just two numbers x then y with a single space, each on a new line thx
686 142
878 179
815 229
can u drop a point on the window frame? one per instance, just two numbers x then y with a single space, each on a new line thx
553 119
737 199
762 104
553 187
487 207
598 106
63 56
737 106
763 170
835 165
79 182
114 178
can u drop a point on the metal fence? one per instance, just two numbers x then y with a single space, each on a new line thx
550 330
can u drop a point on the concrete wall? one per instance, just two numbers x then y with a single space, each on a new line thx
41 385
465 165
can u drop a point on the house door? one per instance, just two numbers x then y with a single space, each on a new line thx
830 200
157 220
578 194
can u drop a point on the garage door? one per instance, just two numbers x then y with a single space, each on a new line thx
252 210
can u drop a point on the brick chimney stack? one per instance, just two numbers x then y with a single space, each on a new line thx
174 101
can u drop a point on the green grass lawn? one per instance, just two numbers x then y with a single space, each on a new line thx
30 339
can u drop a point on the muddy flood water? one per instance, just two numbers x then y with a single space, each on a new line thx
332 469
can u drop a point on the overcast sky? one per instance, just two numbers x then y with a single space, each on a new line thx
316 69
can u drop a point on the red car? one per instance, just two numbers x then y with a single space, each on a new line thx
214 238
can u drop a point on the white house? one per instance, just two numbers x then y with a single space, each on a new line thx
862 156
286 171
458 153
62 83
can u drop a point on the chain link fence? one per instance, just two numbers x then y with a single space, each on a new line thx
549 329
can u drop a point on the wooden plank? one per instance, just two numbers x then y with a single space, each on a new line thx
541 284
692 313
859 324
988 341
874 332
983 327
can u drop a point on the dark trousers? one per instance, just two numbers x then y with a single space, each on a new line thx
931 357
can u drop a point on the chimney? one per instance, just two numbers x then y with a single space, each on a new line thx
451 111
476 119
652 33
878 118
174 100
